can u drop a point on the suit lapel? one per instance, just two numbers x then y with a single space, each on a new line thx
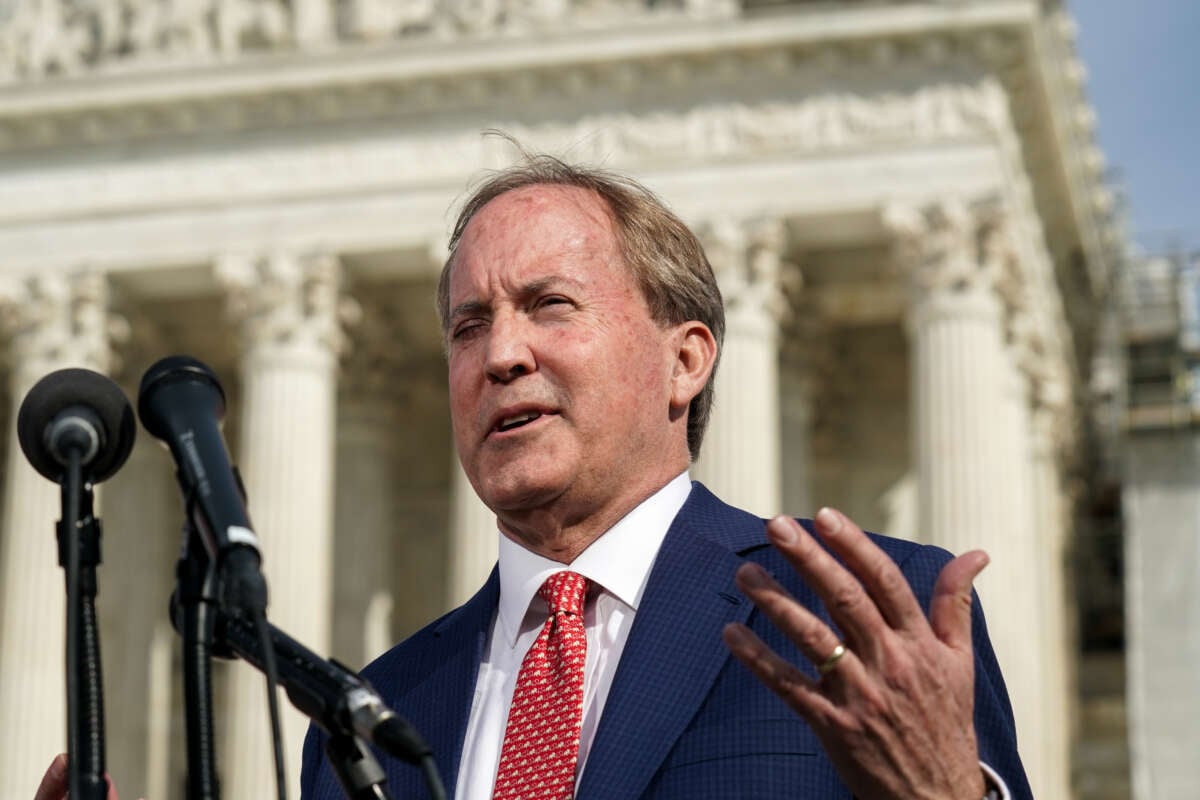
674 651
437 701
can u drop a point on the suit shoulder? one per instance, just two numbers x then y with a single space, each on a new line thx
920 563
905 552
404 656
912 555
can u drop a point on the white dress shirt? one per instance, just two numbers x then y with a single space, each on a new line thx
618 565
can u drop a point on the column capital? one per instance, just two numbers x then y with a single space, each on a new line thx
143 341
952 252
287 304
804 348
390 354
741 450
56 319
747 258
1054 429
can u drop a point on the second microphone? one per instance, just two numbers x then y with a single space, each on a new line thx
180 401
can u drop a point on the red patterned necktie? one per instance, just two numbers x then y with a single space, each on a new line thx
541 742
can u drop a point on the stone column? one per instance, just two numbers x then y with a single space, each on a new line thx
53 321
1022 650
473 547
805 363
1051 430
473 539
142 522
1042 419
164 713
288 308
970 429
796 416
740 461
367 513
142 517
390 560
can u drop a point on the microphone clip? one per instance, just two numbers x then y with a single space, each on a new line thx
87 531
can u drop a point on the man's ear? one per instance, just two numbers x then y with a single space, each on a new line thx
695 356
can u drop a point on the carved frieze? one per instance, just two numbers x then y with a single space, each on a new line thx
46 38
818 122
825 122
821 122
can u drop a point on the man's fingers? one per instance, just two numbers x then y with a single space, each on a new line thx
54 782
879 574
793 686
950 608
807 631
843 595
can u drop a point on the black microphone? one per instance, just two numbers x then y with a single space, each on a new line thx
332 695
80 410
76 428
180 401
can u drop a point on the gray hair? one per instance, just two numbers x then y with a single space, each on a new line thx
666 258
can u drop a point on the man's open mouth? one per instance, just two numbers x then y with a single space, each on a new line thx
517 420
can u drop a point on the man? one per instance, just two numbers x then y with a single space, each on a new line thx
582 326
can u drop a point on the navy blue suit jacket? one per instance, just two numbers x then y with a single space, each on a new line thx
683 719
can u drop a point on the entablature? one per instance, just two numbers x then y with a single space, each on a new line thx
266 135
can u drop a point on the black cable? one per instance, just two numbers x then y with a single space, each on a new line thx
79 554
72 487
432 779
92 738
264 636
196 600
202 781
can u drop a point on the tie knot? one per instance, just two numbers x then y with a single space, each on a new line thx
564 591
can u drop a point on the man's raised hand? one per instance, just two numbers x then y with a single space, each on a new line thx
894 704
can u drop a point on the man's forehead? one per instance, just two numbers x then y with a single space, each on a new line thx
518 209
532 236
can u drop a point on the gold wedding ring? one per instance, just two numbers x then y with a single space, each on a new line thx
826 666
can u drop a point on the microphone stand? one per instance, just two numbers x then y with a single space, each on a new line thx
196 611
196 596
357 769
78 554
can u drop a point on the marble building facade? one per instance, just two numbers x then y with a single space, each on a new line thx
902 200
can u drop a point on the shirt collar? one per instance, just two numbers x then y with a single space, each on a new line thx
619 560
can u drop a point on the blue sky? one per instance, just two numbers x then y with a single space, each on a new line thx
1143 63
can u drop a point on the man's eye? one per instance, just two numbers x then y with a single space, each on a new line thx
553 300
465 330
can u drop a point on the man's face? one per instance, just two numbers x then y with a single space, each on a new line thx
560 382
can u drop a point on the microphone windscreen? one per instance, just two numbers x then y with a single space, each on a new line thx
171 371
59 391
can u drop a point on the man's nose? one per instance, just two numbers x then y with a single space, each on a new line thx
509 354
